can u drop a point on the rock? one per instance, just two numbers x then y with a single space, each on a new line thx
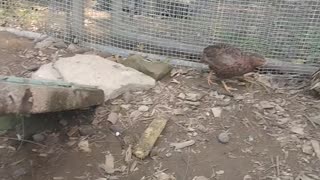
41 96
86 130
182 96
92 70
156 70
224 137
60 45
38 137
113 118
202 128
193 97
143 108
216 111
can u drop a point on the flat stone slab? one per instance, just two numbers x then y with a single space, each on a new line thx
28 96
113 78
157 70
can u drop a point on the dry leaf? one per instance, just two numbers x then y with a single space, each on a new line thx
108 166
128 157
84 146
182 144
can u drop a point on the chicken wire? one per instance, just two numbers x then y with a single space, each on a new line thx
285 30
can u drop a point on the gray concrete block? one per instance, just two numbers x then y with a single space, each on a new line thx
27 96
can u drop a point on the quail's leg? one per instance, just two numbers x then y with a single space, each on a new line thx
227 88
209 78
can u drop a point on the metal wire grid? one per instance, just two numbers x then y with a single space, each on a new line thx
287 30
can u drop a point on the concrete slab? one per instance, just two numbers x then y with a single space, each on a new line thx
113 78
27 96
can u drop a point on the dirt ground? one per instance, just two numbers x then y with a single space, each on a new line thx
273 135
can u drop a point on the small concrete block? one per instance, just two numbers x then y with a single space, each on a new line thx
157 70
27 96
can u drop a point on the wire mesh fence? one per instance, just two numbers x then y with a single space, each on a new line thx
286 30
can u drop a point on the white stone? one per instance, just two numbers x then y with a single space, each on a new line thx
216 111
113 78
143 108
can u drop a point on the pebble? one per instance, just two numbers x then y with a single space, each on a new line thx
38 137
202 128
113 118
216 111
224 137
143 108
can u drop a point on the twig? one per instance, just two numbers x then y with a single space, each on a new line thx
23 140
308 118
188 162
278 166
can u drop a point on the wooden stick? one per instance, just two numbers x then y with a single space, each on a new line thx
149 138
